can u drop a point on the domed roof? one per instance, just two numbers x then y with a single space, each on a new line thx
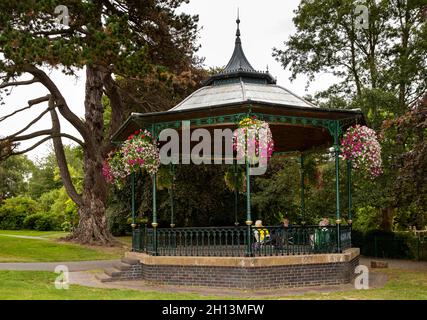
237 93
239 83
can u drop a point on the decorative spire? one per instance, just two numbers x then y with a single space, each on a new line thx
238 67
238 27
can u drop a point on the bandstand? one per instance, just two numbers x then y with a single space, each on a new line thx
230 256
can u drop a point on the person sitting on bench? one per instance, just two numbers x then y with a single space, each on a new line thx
262 235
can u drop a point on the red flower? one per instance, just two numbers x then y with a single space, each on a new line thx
131 137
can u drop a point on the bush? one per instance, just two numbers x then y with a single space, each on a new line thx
117 220
42 222
13 212
384 244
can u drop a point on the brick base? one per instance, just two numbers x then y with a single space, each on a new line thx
281 273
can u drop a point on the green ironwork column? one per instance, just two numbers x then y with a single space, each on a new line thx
249 252
302 190
236 192
154 223
132 184
337 184
171 193
350 200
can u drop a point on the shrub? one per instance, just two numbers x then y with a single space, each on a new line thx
14 210
117 219
42 222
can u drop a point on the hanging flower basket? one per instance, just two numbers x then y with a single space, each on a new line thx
138 152
360 145
253 140
113 169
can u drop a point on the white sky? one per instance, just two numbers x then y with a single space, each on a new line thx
264 24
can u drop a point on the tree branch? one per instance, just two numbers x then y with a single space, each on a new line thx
18 83
11 137
32 147
30 104
60 101
60 157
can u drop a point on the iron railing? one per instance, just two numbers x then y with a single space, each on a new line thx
235 242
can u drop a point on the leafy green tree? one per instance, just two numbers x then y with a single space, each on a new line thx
109 39
14 175
381 68
13 211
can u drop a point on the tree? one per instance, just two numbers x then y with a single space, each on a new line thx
386 54
14 174
410 187
380 65
109 39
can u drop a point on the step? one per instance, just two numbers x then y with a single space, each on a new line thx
113 272
104 277
122 266
130 261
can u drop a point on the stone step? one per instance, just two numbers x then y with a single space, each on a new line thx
103 277
122 266
113 272
130 261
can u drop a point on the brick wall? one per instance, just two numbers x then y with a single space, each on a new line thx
266 277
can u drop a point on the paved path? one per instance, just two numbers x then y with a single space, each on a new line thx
396 263
24 237
50 266
89 280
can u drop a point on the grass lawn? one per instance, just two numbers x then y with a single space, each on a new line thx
13 249
402 285
33 233
26 285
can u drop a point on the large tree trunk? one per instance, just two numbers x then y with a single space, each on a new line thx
92 227
387 215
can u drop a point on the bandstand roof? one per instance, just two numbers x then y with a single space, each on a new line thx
224 98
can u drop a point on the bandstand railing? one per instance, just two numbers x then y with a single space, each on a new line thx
233 241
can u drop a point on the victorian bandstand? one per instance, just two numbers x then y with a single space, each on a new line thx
231 256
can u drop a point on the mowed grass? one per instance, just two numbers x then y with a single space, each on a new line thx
401 285
34 233
30 285
14 249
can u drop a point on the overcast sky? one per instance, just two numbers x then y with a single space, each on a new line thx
264 25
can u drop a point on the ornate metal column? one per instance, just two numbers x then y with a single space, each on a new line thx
302 187
134 238
249 252
171 193
154 223
236 192
132 183
337 183
350 200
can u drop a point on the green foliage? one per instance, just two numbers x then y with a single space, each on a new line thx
117 219
382 70
13 212
235 180
14 173
366 219
42 222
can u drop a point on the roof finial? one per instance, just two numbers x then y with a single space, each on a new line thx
238 26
